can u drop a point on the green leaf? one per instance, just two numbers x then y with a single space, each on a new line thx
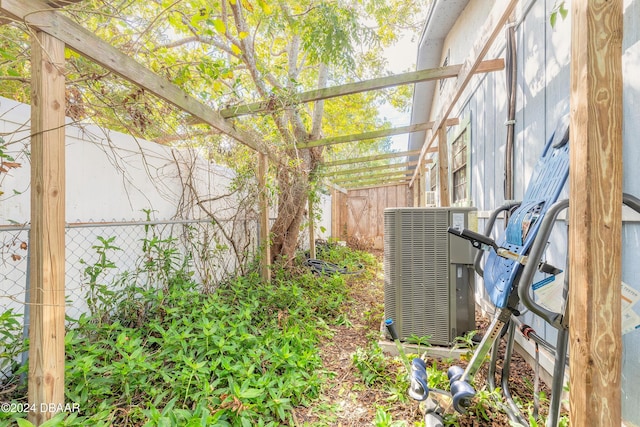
197 19
7 55
219 26
250 393
24 423
54 421
563 11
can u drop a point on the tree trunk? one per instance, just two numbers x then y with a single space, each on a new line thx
292 203
294 184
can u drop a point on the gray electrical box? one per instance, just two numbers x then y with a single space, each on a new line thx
428 273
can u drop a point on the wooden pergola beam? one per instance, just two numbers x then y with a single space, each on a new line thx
382 133
493 25
443 168
40 15
360 185
371 158
595 213
364 86
368 169
373 176
366 187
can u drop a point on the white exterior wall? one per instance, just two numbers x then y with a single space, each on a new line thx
113 177
109 175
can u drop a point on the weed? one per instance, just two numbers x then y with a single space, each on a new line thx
383 419
99 296
372 364
374 314
437 377
12 343
466 342
423 341
163 353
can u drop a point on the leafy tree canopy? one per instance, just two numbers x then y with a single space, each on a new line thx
228 53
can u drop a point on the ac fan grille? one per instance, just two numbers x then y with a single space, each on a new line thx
416 262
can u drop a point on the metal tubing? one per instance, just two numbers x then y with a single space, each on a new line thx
537 250
558 377
513 412
493 360
632 201
493 333
533 336
477 265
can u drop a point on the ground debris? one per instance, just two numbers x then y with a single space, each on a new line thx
354 404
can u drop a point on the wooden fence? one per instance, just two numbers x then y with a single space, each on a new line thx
358 215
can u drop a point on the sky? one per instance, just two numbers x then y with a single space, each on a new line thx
402 58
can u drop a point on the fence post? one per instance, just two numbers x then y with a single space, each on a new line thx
265 260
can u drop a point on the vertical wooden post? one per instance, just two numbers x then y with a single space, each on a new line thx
312 234
334 213
443 166
423 186
595 213
265 258
47 240
417 189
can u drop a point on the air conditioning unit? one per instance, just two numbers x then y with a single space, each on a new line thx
428 273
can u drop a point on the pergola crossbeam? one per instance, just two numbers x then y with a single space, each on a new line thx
373 176
371 158
374 183
382 133
364 86
388 166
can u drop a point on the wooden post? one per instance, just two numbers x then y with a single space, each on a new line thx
312 234
47 262
423 186
416 190
595 213
443 167
265 243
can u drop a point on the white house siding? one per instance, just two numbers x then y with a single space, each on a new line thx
543 92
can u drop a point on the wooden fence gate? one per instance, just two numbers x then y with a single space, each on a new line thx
358 215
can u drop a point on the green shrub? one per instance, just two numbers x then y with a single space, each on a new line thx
244 355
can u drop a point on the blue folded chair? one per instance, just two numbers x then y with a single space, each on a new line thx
548 179
502 270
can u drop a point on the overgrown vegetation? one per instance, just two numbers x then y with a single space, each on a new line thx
377 370
161 352
170 354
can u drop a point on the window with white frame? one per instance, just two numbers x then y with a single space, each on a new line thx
433 177
459 168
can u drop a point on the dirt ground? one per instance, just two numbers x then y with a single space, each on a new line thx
354 404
